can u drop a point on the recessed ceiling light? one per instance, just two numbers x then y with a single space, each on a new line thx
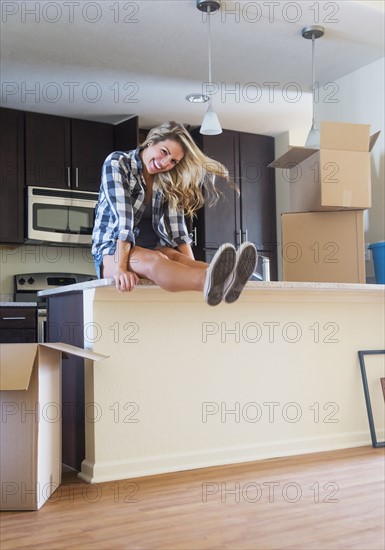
197 98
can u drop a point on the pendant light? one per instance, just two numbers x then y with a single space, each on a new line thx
210 125
313 32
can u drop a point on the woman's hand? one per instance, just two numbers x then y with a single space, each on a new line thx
125 281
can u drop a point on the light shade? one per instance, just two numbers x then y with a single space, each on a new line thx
313 138
210 125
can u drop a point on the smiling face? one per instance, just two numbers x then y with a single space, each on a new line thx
162 156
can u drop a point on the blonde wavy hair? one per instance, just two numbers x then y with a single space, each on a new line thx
183 185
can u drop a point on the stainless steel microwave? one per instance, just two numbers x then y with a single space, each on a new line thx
60 216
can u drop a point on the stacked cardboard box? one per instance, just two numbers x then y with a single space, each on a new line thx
330 187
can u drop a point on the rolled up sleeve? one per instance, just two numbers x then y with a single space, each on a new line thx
180 234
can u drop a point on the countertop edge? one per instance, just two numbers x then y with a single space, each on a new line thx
258 286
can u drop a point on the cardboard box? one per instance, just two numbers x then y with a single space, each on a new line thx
334 177
30 398
323 247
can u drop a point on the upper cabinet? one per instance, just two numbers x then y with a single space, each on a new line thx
69 153
51 151
246 210
12 176
91 143
66 153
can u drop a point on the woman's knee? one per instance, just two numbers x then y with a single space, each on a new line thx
170 253
147 263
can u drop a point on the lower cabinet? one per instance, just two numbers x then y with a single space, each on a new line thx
65 324
18 325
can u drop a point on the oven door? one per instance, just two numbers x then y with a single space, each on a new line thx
60 216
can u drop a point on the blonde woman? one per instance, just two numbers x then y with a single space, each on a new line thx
140 228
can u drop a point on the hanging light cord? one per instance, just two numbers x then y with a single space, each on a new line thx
313 72
208 15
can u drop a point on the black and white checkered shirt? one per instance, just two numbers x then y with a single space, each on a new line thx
122 202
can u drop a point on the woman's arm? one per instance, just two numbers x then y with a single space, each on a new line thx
117 267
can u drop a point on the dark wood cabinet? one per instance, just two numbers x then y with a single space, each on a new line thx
12 176
65 153
246 211
219 223
18 325
69 153
51 151
91 143
65 324
126 135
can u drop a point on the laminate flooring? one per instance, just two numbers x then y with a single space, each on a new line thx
329 500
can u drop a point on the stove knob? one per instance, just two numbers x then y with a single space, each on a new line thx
21 281
31 281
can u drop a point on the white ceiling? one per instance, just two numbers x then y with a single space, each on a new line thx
107 60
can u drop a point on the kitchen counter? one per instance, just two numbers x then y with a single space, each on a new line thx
187 385
252 286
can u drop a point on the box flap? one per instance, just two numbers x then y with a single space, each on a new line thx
345 136
73 350
373 140
294 156
16 365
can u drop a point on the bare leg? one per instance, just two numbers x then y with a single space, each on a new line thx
177 256
154 265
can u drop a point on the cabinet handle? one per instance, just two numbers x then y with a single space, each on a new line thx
76 177
246 234
238 238
13 318
68 176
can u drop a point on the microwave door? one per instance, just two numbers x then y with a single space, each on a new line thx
66 221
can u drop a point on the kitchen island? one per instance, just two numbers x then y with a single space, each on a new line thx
187 385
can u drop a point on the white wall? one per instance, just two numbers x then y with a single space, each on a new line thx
358 98
39 259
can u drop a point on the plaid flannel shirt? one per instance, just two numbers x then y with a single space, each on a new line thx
122 202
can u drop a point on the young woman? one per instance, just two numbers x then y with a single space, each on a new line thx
140 228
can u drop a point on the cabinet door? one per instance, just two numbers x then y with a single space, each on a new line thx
12 176
18 325
65 324
257 183
91 142
220 223
127 135
47 150
258 220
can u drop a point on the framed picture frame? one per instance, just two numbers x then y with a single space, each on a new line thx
361 356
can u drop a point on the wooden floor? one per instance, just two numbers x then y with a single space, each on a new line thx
331 500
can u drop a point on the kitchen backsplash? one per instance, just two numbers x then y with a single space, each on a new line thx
41 259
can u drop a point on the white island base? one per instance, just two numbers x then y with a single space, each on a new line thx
188 386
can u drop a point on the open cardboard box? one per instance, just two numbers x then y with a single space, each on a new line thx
30 398
334 177
323 247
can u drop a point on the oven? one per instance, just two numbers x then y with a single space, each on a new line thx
60 216
27 286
